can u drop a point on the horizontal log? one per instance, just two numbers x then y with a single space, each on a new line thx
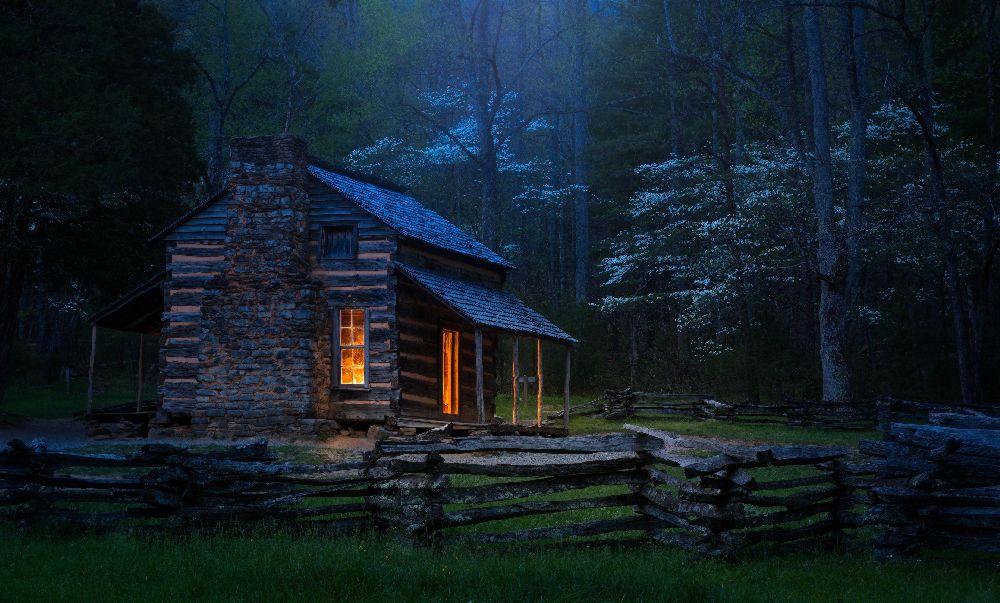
976 442
69 481
674 504
513 466
464 517
687 490
779 517
617 442
798 482
973 420
674 520
793 501
989 496
522 489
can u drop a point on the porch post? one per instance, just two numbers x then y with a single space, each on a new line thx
138 395
566 390
480 403
538 356
515 374
90 381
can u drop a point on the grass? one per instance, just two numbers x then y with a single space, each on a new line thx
311 566
685 425
53 401
262 564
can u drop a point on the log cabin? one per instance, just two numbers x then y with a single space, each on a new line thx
303 297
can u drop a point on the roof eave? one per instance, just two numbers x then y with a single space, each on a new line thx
567 340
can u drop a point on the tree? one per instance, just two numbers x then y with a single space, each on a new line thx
829 251
98 144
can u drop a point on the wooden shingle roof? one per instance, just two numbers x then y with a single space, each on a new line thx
408 216
484 306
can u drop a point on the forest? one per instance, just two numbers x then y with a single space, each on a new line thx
757 199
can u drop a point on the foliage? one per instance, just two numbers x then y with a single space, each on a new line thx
98 149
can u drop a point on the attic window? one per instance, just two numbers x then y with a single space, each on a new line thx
339 243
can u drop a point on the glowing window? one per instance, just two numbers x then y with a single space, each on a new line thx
352 346
449 372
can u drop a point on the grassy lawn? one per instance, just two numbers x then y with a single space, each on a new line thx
261 564
312 567
53 401
684 425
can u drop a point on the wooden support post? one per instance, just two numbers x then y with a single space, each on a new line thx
90 382
138 395
566 390
538 356
516 375
480 403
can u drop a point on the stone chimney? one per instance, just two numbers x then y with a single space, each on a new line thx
267 229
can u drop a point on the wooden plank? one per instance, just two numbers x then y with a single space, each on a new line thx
537 487
614 442
515 374
513 466
538 372
566 389
466 517
480 403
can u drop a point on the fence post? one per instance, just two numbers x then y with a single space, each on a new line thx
884 414
842 496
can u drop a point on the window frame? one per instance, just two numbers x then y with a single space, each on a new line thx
458 369
352 227
336 348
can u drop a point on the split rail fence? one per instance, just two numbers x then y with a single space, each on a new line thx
861 415
938 485
928 486
641 485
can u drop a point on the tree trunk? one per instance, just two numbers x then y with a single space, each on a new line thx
581 200
836 386
854 19
939 217
487 99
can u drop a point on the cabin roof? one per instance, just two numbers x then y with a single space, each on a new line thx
408 216
138 311
484 306
389 204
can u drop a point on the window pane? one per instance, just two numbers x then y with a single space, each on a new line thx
351 334
352 366
338 242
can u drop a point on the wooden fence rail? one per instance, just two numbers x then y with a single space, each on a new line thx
643 485
929 485
937 486
860 415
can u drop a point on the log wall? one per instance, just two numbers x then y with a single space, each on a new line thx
421 318
365 282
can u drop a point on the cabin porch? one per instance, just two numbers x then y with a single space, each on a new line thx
138 312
